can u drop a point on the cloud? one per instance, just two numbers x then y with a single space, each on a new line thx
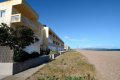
75 39
67 37
70 38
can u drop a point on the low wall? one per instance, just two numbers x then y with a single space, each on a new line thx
53 56
21 66
6 68
6 60
61 52
6 54
13 68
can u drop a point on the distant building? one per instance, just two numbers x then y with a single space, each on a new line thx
52 41
66 47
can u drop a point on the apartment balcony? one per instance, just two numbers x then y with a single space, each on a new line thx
26 10
18 19
15 18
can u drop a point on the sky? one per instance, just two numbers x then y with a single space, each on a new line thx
82 23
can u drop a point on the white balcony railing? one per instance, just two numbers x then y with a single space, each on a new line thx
15 18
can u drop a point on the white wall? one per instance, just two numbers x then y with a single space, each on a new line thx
6 68
8 12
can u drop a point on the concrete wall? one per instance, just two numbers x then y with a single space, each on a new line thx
6 68
6 54
18 67
53 56
6 59
13 68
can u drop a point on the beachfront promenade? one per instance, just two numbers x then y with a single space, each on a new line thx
107 63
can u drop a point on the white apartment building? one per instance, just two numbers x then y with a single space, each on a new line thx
52 41
19 13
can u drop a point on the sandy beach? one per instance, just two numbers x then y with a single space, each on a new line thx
107 63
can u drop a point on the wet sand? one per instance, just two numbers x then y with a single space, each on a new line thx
107 63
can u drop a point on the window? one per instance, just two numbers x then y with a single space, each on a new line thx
2 13
53 42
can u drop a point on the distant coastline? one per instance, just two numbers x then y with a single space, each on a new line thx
101 49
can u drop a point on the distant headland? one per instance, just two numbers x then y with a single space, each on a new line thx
101 49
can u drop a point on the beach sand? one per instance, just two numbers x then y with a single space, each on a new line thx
107 63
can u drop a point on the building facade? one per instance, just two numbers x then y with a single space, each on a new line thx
52 41
66 47
19 13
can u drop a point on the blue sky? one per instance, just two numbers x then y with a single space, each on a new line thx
82 23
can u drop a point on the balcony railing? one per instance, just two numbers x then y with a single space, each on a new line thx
25 21
28 22
16 18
